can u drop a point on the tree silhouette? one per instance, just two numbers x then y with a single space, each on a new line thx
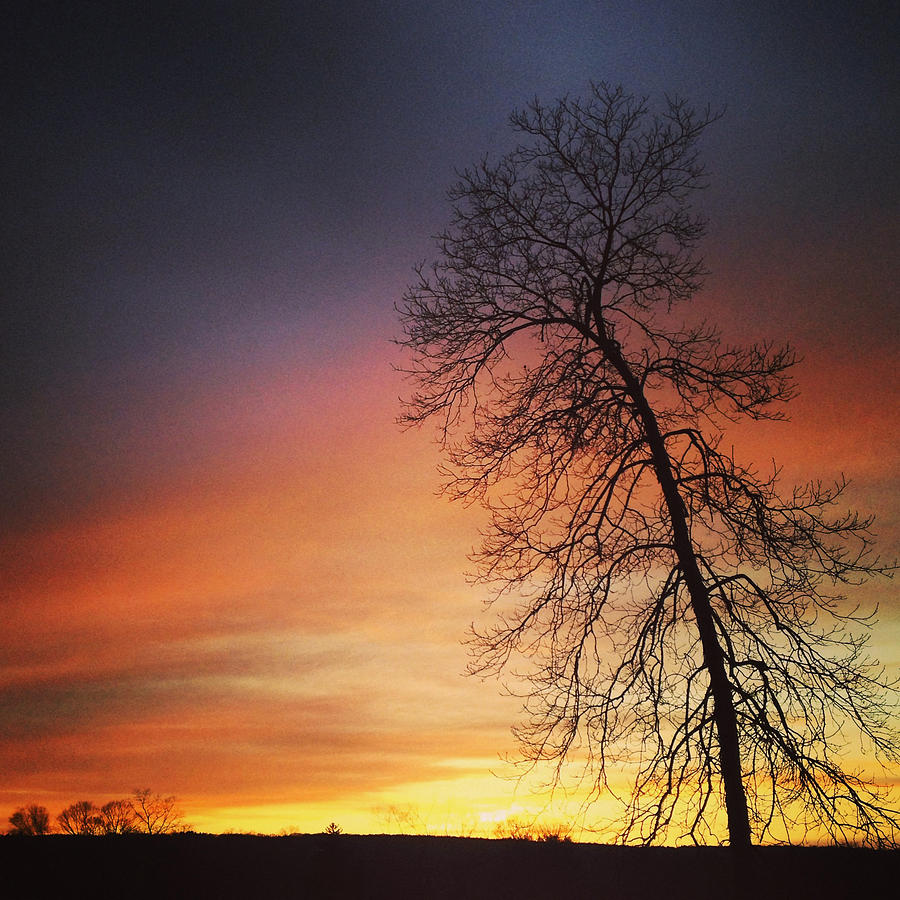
117 817
30 820
675 611
154 814
80 818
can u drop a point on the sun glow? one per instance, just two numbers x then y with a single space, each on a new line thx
471 805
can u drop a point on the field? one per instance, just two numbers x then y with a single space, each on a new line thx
391 866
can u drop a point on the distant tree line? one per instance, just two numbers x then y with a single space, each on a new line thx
142 813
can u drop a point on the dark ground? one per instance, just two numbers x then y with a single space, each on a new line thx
390 866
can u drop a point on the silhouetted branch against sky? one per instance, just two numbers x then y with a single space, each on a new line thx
671 608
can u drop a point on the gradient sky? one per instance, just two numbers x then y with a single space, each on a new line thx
225 572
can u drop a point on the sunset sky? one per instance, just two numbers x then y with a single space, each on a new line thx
225 571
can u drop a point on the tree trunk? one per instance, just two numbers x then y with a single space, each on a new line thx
723 702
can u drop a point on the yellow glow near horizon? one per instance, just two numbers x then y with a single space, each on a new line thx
469 806
484 795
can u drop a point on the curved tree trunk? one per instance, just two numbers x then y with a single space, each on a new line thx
723 702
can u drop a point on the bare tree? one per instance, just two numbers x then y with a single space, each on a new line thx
80 818
30 820
675 611
405 817
117 817
154 814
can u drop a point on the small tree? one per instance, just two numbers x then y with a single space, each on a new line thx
80 818
30 820
154 814
405 817
676 611
117 817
